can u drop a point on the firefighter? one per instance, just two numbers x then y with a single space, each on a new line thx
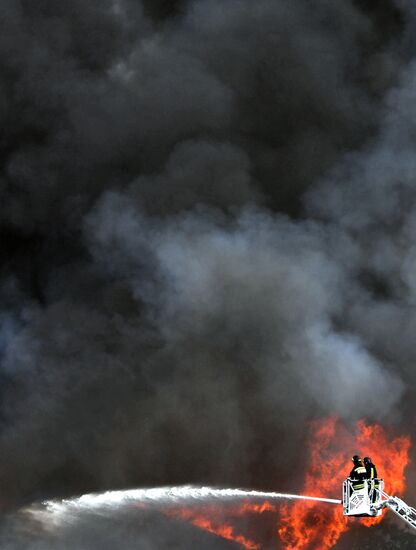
371 475
358 474
370 468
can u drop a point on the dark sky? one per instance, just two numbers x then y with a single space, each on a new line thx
208 232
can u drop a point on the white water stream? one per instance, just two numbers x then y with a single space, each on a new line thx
58 511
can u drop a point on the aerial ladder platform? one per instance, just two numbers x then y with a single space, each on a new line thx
371 500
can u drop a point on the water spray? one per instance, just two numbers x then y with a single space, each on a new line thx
160 495
57 511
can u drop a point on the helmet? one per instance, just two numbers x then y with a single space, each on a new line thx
356 458
367 460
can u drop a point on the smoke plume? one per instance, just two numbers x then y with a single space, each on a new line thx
208 232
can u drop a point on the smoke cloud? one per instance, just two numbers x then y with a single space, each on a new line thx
207 240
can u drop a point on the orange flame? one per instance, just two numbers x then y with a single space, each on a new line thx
211 520
306 525
391 463
225 531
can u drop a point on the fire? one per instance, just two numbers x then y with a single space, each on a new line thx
389 455
374 439
224 531
305 525
211 519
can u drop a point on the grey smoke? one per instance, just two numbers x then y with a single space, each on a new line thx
207 238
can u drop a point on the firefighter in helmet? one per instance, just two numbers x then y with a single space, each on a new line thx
371 475
358 474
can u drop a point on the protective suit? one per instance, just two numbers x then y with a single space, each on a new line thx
371 474
358 474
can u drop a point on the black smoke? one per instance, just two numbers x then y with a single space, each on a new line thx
207 225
